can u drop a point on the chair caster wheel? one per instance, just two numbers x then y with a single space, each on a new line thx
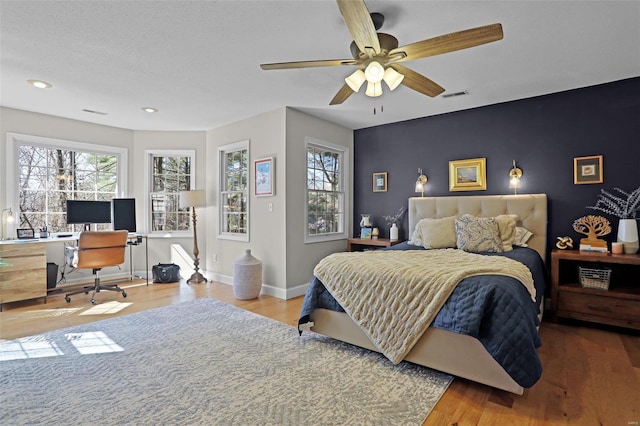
68 299
93 301
124 294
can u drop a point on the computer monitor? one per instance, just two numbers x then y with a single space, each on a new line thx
88 212
124 214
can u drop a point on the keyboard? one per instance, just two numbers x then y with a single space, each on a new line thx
64 235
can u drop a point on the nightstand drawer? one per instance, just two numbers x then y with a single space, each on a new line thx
611 307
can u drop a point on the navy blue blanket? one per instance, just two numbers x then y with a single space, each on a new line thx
495 309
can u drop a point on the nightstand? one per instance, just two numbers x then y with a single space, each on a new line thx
362 242
619 305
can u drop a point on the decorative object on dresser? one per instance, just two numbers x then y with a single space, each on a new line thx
375 232
365 226
597 287
468 175
193 199
564 243
587 170
593 227
625 206
380 182
393 221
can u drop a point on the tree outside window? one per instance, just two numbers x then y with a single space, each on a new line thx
170 174
234 191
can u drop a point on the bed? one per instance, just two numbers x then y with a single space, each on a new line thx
463 353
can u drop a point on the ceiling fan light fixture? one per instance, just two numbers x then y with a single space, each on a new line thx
393 78
373 89
374 72
356 80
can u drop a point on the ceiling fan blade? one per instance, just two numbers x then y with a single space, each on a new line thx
449 43
360 25
308 64
418 82
342 95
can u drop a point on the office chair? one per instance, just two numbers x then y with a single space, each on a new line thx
97 250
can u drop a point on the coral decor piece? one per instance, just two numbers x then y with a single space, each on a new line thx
593 227
623 206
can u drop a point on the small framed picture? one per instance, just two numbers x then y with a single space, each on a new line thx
365 233
380 182
26 233
468 175
264 172
587 170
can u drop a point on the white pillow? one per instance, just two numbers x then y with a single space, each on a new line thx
435 233
522 235
478 234
507 229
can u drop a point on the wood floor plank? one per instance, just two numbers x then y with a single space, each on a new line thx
590 376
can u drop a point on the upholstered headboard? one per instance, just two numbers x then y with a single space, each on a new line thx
530 208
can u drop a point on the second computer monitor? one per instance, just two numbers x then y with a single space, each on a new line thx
124 214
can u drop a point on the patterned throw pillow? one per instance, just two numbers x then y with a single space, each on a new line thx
522 236
478 234
435 233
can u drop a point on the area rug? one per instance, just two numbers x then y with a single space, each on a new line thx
206 362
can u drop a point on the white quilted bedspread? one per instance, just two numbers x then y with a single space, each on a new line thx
395 295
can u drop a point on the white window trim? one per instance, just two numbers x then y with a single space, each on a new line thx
221 149
148 154
11 163
344 174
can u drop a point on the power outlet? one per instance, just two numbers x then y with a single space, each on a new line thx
270 207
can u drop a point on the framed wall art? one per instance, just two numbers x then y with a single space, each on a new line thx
587 170
468 175
380 182
264 177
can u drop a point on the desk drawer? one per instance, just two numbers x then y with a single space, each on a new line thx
611 307
22 249
22 285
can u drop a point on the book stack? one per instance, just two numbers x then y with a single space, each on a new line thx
596 245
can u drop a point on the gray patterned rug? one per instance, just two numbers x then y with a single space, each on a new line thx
206 362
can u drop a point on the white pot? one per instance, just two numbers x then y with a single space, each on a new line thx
393 232
628 235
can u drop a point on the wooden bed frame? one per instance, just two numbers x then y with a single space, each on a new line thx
443 350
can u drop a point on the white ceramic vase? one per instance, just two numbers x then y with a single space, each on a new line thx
393 232
628 235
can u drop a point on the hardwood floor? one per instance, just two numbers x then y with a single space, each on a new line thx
591 376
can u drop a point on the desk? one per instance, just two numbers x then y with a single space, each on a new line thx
23 267
378 242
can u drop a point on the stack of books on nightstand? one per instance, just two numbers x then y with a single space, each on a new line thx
593 245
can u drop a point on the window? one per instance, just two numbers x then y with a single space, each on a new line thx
45 173
170 172
326 193
234 191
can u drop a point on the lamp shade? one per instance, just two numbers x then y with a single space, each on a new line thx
355 80
194 198
393 78
374 89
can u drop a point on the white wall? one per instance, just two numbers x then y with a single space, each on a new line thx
277 236
29 123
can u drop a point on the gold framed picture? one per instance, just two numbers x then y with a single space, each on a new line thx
468 175
587 170
380 182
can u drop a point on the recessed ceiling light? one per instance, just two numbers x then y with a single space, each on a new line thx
150 109
40 84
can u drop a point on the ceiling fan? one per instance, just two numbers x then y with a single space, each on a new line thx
378 57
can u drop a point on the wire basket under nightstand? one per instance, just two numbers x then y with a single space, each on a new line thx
594 278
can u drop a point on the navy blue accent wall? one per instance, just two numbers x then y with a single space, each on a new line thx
543 134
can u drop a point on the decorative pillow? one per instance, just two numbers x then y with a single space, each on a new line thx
522 235
507 229
435 233
478 234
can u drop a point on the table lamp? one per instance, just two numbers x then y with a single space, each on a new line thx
193 199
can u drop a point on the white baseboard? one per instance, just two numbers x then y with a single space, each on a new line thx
280 293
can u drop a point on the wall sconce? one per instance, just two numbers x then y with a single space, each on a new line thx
421 182
10 219
514 178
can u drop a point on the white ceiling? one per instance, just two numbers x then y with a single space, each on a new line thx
198 61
